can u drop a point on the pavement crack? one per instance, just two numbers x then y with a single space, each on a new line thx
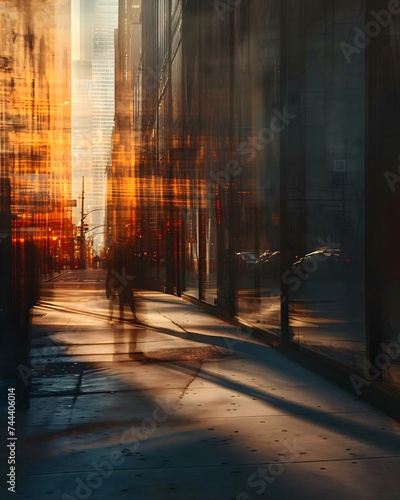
190 382
178 325
77 391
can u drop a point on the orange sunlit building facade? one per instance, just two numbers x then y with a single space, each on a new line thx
37 232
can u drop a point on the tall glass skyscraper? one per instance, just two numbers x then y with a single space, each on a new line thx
105 23
93 112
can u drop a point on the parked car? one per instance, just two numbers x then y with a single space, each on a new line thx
324 264
246 260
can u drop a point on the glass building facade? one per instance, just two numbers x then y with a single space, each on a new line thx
264 174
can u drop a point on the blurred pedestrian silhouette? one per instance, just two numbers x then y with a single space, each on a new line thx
120 279
96 261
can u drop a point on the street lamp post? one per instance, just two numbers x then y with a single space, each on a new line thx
82 259
82 263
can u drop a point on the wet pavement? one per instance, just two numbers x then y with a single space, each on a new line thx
183 406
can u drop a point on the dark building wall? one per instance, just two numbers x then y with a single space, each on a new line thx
266 133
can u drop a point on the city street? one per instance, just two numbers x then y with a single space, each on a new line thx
199 250
184 406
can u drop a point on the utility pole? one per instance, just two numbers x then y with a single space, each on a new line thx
82 246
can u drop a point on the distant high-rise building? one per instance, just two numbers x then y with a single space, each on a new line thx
104 25
82 54
93 105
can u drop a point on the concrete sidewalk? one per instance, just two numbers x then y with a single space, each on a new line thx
188 407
